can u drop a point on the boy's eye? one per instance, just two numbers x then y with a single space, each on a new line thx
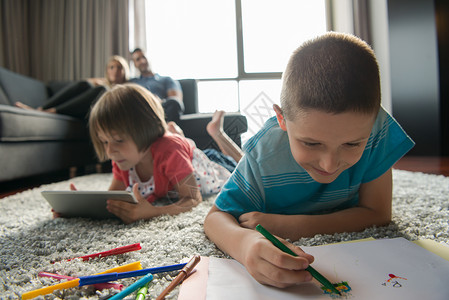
308 144
352 144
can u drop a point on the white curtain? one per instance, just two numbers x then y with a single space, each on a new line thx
350 16
62 39
137 29
139 37
362 20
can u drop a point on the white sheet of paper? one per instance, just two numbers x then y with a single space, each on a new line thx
381 269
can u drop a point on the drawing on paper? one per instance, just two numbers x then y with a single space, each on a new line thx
343 287
394 281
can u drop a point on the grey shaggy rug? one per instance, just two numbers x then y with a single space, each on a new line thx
30 239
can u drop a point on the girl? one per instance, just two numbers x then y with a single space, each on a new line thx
127 125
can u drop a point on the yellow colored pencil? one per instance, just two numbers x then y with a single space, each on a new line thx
75 282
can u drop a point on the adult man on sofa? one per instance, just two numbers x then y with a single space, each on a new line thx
166 88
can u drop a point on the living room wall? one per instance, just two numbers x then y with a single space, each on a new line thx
415 81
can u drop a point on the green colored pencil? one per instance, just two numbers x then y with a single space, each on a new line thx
284 248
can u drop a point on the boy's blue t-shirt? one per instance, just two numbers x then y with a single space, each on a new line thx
269 180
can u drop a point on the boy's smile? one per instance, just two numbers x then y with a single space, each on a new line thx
326 144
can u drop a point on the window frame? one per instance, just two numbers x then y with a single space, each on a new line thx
241 73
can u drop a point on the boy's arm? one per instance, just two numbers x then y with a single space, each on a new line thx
266 263
374 208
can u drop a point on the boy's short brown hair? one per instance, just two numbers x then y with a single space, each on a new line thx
334 73
129 110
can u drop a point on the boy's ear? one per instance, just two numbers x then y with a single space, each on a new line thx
280 117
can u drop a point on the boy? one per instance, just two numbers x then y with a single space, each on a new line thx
323 165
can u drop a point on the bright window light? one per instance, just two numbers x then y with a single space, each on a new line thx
218 95
198 39
273 29
256 101
192 39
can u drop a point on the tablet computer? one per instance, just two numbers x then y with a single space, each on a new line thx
85 204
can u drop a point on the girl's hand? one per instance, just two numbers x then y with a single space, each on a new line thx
270 265
129 212
56 214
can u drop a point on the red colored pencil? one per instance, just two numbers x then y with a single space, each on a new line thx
116 251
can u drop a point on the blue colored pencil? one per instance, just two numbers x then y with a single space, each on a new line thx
139 283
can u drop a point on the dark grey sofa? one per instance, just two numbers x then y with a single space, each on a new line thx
34 143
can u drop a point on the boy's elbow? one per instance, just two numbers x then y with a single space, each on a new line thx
388 220
383 219
209 220
208 216
207 225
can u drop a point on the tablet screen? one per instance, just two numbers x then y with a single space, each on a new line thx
85 204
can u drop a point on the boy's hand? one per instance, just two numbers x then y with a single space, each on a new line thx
270 265
129 212
274 223
251 219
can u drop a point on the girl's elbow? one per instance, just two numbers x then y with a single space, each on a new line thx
197 200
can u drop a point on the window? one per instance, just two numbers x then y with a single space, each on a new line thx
236 49
192 39
273 29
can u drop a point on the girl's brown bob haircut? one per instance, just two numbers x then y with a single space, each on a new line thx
127 110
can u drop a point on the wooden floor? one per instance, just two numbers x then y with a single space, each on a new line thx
431 165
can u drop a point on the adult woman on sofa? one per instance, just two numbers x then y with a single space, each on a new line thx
76 99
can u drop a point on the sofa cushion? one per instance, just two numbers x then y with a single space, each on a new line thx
3 99
22 88
194 127
190 95
20 125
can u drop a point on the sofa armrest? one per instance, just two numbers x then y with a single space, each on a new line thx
194 127
17 87
23 125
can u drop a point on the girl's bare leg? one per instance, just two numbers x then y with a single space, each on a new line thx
174 128
24 106
224 142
